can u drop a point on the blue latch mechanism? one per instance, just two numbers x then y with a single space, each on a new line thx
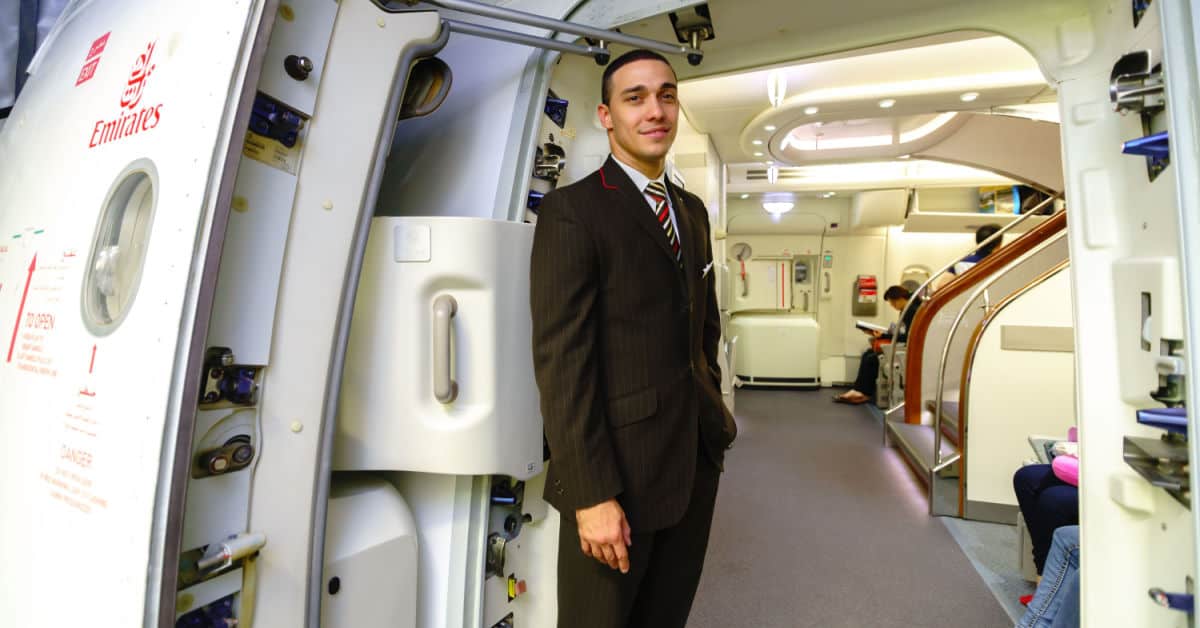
1178 601
1170 419
276 121
1152 146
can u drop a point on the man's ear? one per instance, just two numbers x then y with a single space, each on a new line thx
605 116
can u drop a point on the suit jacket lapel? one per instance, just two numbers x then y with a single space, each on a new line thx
686 241
614 179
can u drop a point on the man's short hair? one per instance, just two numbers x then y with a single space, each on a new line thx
640 54
896 292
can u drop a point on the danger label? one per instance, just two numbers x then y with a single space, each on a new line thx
70 480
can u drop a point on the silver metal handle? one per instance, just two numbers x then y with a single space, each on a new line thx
529 19
828 283
445 389
806 302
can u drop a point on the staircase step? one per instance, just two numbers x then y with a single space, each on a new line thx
916 443
949 419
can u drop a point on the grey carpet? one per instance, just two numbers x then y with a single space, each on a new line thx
818 525
992 548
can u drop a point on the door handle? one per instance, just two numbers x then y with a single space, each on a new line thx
445 389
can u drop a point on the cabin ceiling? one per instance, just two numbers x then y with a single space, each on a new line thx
811 46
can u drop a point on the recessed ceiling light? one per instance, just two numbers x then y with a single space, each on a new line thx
745 196
758 154
769 162
818 124
811 110
769 128
904 156
778 207
887 103
969 96
757 142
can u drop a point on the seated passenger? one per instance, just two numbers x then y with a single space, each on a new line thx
868 366
1048 496
1055 604
964 264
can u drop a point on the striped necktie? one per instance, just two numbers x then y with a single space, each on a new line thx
658 192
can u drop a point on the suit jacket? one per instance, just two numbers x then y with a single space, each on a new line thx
624 349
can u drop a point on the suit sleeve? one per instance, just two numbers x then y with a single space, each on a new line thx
712 316
564 293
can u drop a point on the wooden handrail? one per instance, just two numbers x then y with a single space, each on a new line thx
926 314
969 362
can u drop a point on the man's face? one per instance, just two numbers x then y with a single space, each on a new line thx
641 113
897 304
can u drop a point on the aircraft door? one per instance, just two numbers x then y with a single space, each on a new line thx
114 180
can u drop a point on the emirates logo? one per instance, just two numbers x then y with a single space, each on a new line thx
142 68
130 120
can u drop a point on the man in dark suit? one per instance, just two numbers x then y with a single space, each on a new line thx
625 334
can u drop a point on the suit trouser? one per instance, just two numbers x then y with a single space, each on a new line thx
664 569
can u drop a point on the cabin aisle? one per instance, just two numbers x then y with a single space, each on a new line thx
817 525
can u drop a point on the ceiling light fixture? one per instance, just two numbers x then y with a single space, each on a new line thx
745 196
811 110
887 103
757 142
777 207
776 87
758 154
904 156
769 128
969 96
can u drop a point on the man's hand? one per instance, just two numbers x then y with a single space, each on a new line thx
604 534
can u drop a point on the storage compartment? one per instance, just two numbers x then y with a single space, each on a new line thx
370 574
439 371
878 208
776 350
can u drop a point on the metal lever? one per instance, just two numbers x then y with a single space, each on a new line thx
445 389
1134 85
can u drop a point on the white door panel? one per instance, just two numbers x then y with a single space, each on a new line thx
109 168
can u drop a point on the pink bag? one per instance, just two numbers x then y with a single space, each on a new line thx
1066 468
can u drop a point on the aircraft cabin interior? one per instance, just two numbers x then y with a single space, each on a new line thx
269 343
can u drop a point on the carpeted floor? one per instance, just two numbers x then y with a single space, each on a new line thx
818 525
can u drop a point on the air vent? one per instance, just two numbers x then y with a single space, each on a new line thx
784 173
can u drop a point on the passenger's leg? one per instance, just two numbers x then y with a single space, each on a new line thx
591 594
1028 483
669 586
1054 595
1068 614
1057 506
868 372
864 382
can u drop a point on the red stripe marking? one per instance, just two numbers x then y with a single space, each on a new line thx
21 310
93 363
782 280
604 181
